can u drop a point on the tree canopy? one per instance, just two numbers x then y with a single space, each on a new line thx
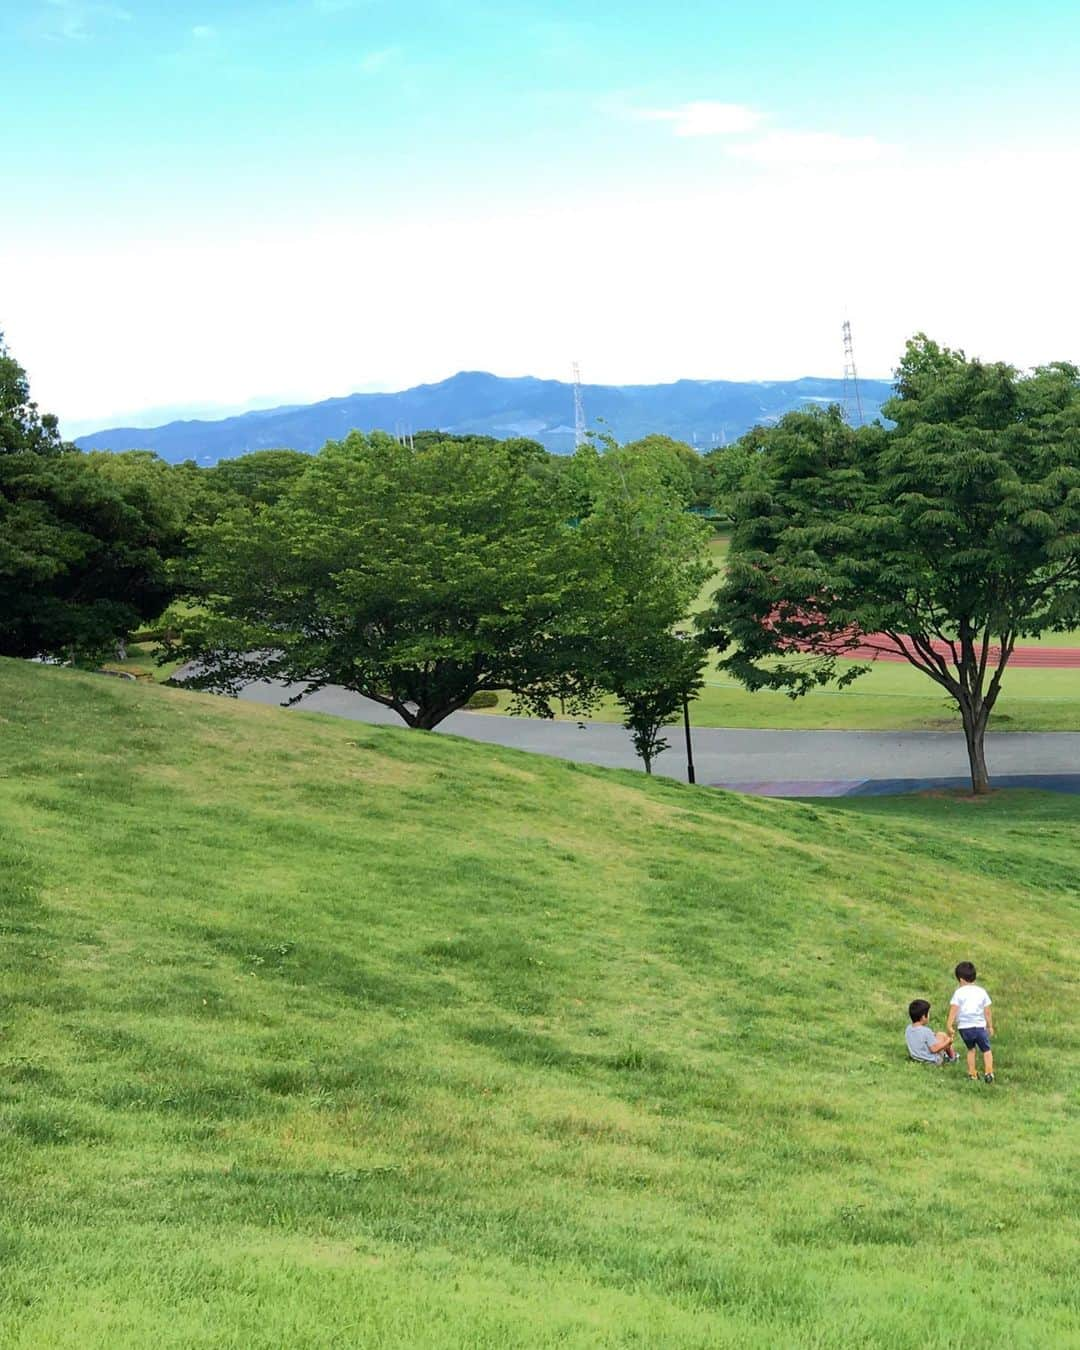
414 575
84 538
22 426
944 538
649 557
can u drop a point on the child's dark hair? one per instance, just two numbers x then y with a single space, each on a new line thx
917 1009
965 971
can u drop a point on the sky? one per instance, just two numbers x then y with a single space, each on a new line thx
233 203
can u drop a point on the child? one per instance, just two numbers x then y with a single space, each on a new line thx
971 1015
923 1044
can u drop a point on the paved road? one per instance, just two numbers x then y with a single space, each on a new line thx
810 763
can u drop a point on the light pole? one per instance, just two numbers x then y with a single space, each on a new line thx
689 745
684 636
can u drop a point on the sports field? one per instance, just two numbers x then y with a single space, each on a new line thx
892 696
319 1034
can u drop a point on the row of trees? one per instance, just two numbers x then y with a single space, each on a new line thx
418 576
422 575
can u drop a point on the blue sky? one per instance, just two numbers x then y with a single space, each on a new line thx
227 204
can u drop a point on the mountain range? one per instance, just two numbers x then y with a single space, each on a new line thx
704 413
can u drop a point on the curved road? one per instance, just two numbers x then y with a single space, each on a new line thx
783 763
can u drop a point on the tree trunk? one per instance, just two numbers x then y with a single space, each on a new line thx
427 719
975 736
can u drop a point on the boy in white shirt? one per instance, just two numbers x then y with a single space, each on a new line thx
971 1014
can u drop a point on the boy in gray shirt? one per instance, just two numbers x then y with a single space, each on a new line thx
925 1045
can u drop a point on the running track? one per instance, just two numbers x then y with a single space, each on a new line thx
878 648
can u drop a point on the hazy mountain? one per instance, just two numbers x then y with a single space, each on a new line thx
703 412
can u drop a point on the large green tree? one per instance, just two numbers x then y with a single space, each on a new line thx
84 539
649 559
949 536
416 575
258 478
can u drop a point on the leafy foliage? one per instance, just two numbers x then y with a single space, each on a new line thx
22 427
414 576
84 538
949 535
649 555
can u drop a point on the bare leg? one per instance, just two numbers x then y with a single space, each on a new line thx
972 1069
988 1061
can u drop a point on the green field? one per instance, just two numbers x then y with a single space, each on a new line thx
891 697
317 1034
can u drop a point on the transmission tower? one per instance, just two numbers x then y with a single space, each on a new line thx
579 410
851 379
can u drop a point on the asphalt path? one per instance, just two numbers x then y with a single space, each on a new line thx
785 763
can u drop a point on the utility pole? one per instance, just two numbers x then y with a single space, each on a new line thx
689 746
580 434
851 379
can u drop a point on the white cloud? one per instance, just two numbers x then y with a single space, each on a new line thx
704 117
372 62
809 147
708 117
76 18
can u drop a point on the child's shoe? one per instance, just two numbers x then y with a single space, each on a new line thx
973 1077
988 1077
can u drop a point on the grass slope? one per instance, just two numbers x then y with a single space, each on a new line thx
322 1035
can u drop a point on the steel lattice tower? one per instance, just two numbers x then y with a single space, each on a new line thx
851 379
580 433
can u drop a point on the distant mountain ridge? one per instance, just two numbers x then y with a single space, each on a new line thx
703 412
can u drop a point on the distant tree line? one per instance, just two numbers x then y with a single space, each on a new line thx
423 575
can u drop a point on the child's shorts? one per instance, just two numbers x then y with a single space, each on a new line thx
975 1038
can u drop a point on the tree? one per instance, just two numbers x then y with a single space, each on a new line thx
84 539
679 466
649 560
729 469
260 477
653 682
416 576
22 427
945 538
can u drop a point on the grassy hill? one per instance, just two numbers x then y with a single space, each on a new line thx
315 1034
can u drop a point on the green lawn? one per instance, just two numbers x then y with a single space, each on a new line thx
316 1034
891 697
142 663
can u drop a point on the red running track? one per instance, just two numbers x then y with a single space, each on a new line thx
1037 658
